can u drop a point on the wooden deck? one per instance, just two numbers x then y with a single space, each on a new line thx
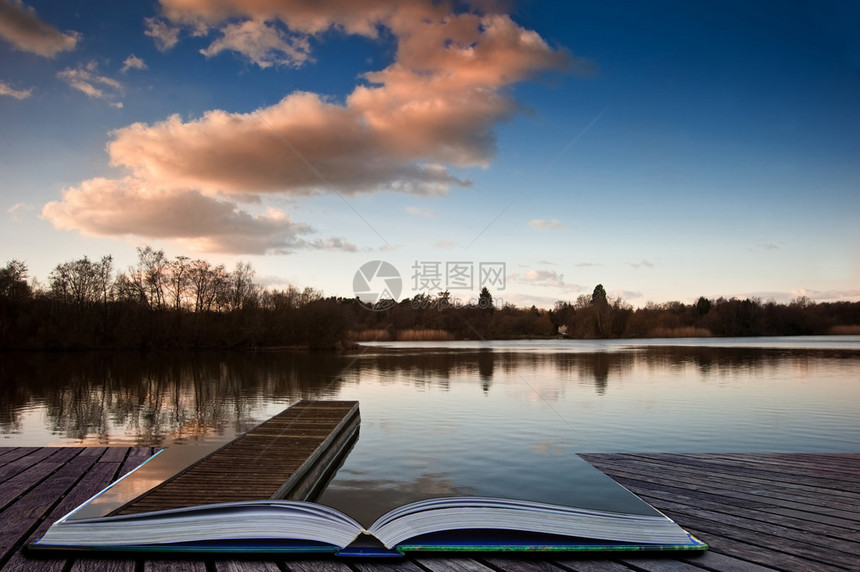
758 512
269 461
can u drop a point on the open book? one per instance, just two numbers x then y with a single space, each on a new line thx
288 485
438 524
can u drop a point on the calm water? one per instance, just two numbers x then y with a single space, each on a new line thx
459 400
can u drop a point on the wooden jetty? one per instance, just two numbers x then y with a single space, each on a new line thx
758 512
287 456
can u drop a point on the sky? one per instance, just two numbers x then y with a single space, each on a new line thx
665 149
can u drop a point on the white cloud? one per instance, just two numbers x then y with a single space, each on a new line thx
446 244
334 243
133 62
624 294
18 209
642 264
544 278
826 295
262 43
22 27
541 224
89 80
6 89
164 35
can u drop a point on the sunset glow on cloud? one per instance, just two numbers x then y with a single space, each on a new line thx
21 26
436 106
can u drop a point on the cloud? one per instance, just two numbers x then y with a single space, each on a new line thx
6 89
445 244
541 224
353 17
88 80
625 294
22 27
527 300
262 43
335 243
164 35
545 278
542 276
402 129
105 207
300 146
421 212
434 107
18 209
643 264
826 295
133 62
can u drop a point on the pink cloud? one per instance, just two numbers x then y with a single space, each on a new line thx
22 27
263 43
129 207
435 107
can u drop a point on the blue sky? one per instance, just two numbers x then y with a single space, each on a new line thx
667 150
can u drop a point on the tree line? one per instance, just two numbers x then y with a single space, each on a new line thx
162 303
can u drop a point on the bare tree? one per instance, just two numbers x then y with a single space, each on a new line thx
177 281
13 281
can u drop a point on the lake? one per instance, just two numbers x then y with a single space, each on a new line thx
459 400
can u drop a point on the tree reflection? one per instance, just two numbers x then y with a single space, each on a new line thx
153 399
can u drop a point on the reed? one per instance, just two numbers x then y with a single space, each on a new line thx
369 336
684 332
424 335
847 330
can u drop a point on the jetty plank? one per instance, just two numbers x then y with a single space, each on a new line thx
266 462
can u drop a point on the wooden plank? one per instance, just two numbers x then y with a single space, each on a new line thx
45 563
246 566
526 564
711 560
651 564
174 566
796 487
9 454
24 480
316 565
22 516
264 463
94 479
387 566
452 564
760 553
766 548
102 565
801 476
664 476
798 520
12 468
114 454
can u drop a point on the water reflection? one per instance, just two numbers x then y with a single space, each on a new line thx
148 399
189 398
